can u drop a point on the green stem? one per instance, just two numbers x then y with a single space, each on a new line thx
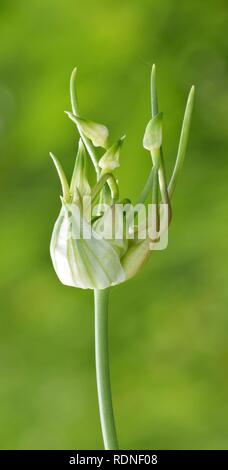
101 298
74 106
147 187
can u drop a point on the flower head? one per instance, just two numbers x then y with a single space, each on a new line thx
98 239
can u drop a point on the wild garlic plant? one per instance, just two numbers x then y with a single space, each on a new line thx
97 240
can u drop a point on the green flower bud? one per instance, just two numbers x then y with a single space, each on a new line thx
97 246
79 181
135 258
97 133
152 139
110 160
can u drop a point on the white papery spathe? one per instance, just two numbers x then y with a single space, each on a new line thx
80 257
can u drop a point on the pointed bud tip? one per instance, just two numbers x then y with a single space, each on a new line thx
191 94
54 159
153 134
74 72
153 71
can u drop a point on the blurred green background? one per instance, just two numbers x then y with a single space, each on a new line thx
169 325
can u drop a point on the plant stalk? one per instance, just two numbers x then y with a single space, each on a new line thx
101 300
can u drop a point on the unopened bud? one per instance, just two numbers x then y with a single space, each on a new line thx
110 160
152 139
97 133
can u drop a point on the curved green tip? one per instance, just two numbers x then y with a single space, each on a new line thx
74 72
73 92
183 140
153 92
62 177
191 94
153 71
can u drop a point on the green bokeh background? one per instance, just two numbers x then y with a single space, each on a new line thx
169 325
